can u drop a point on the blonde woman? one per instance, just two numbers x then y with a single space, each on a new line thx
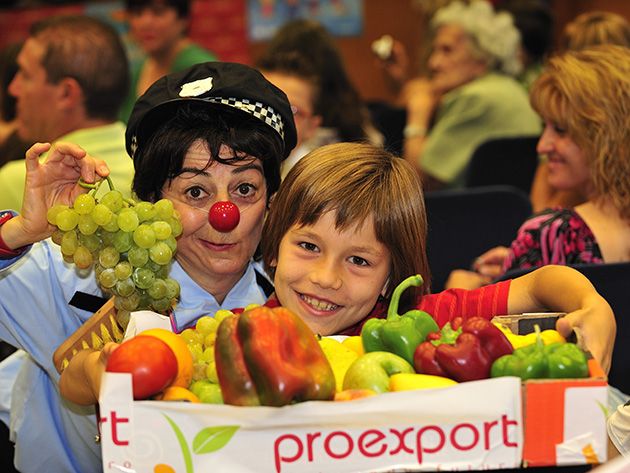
584 99
586 30
594 28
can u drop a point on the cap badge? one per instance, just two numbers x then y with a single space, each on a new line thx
196 88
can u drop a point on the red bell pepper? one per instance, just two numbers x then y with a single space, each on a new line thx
270 357
463 350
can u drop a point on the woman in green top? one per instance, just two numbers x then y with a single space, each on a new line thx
470 95
159 28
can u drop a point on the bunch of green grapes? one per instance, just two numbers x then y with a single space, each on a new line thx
130 244
200 341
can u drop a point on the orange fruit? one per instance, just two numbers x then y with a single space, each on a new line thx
181 351
352 394
177 393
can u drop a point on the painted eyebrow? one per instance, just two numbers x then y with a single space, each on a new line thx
237 170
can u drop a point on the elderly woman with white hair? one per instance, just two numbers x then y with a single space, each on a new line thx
470 96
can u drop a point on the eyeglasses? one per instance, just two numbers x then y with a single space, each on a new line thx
300 113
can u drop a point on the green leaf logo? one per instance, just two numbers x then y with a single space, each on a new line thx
208 440
212 439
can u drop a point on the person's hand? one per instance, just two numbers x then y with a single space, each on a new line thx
395 65
596 326
420 97
490 264
462 279
95 367
55 181
80 381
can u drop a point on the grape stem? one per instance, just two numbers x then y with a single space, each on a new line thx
96 186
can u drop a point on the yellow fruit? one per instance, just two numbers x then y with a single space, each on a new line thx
339 356
518 341
352 394
411 381
505 329
211 372
552 336
182 354
355 344
222 314
177 393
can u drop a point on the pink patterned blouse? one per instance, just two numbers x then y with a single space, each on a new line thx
553 236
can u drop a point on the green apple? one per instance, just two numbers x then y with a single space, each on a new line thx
373 370
207 392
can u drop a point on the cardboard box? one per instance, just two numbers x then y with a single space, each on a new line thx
564 420
470 426
479 425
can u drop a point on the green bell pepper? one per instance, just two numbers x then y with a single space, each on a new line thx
556 360
399 334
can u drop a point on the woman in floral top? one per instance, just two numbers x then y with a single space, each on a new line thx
554 236
584 99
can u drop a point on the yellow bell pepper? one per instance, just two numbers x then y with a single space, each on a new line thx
548 337
355 344
411 381
340 357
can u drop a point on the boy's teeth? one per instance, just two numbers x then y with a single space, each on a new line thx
319 305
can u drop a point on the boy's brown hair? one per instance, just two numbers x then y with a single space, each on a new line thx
358 182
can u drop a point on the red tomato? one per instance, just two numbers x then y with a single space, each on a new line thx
151 362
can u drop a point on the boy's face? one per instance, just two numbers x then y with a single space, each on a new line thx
331 278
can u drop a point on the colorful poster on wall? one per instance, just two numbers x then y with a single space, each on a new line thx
340 17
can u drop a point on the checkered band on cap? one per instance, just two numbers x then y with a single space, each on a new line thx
259 110
134 145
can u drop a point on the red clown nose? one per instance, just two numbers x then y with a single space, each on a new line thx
224 216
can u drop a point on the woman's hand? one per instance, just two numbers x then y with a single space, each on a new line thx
490 264
462 279
395 66
81 380
94 372
421 100
55 181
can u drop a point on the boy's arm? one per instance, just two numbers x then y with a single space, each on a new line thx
564 289
80 382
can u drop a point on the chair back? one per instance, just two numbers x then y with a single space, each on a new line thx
462 224
612 281
390 121
510 161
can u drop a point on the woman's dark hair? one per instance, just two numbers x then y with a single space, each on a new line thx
162 157
182 6
534 20
339 102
